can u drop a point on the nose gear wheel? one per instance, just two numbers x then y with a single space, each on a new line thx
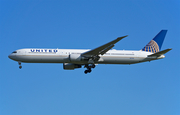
20 66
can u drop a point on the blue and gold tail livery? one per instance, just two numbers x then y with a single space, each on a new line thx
155 44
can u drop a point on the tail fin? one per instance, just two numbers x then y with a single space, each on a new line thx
155 44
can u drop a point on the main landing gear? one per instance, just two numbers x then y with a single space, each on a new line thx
89 66
20 66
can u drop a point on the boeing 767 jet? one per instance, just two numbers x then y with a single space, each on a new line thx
76 58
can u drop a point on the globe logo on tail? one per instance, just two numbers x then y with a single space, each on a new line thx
152 46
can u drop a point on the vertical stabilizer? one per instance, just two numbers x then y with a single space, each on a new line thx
155 44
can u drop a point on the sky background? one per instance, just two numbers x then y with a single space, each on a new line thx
150 88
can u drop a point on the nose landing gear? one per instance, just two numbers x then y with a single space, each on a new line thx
20 66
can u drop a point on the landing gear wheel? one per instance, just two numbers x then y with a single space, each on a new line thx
89 71
86 71
89 67
19 65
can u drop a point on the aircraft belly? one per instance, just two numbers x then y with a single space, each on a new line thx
42 59
120 60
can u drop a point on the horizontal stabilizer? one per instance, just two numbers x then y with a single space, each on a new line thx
160 53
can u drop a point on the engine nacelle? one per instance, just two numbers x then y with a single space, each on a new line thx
70 66
75 57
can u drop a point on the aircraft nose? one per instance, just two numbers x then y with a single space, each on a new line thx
11 56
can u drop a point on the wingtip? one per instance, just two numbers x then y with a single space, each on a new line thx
125 36
122 37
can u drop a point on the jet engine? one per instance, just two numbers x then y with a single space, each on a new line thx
70 66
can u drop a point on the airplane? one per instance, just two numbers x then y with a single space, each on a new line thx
76 58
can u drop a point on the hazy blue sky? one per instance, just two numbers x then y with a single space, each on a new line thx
46 89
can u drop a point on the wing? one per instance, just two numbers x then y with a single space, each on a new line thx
102 49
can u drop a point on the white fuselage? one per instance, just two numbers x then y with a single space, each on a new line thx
63 56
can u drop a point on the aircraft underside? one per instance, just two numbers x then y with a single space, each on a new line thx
71 65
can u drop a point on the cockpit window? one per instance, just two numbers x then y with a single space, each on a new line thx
14 52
